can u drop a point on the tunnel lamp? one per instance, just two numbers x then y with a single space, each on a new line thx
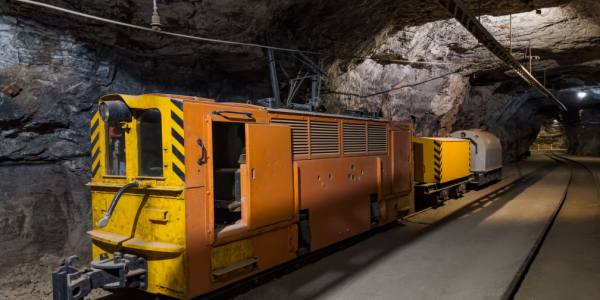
581 94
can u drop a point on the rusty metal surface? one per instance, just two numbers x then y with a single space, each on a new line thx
324 137
300 145
401 157
270 184
340 206
337 194
377 138
386 175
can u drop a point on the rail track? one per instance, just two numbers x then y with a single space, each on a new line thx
520 276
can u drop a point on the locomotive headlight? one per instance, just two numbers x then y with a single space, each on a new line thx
114 110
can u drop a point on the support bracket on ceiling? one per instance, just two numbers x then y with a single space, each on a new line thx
464 16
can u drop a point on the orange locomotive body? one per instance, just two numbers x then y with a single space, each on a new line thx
215 192
301 168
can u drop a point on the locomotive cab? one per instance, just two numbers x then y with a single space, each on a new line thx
137 188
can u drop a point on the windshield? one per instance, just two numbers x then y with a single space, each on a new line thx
115 146
150 144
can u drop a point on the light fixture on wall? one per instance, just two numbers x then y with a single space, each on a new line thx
581 95
12 90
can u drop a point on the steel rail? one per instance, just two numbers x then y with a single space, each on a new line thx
464 16
585 166
515 283
161 32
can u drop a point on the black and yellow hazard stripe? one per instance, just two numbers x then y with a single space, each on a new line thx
469 150
177 139
95 130
437 160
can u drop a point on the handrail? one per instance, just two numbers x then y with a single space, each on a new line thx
219 112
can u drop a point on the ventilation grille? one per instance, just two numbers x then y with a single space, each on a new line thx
377 138
299 135
324 138
355 138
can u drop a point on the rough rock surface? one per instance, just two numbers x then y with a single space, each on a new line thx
553 135
64 64
584 135
441 98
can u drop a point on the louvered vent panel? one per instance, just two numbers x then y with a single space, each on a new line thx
355 138
299 135
324 138
377 138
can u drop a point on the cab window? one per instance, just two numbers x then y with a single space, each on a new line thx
150 159
115 146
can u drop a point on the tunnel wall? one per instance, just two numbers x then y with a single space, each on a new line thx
584 134
45 207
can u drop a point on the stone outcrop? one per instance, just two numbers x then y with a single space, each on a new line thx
584 133
552 136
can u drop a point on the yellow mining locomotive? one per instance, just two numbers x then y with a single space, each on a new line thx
190 195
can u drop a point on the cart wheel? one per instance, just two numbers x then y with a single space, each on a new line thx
444 195
499 174
455 192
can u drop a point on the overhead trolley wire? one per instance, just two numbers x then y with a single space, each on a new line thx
162 32
223 41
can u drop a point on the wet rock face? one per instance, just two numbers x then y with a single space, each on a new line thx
553 135
65 64
584 134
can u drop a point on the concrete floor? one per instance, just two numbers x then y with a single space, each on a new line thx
568 263
469 249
